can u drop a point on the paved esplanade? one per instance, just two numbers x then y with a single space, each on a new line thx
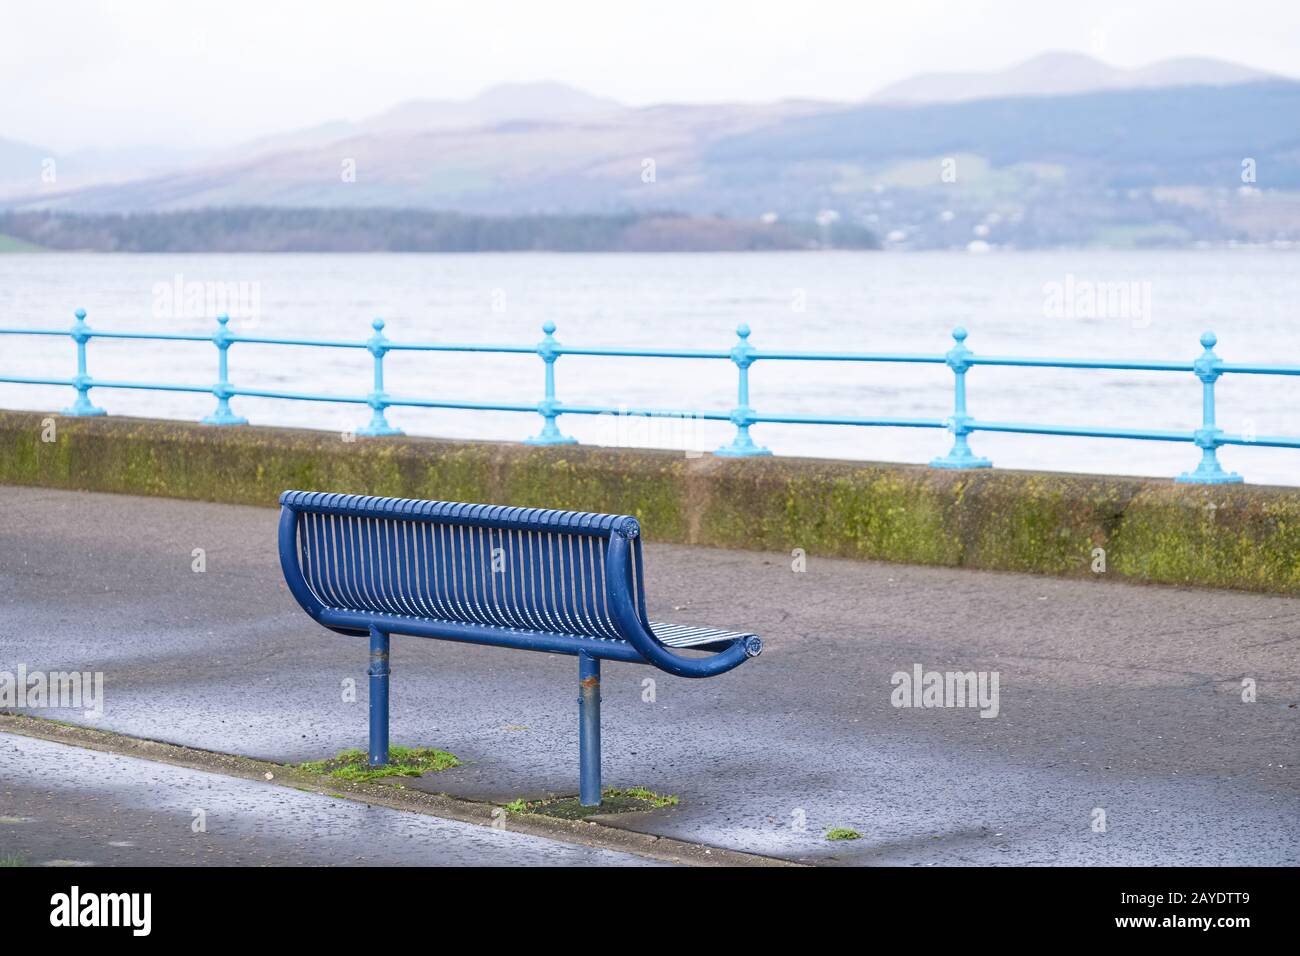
65 806
1112 697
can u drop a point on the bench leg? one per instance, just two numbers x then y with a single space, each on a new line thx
589 730
378 698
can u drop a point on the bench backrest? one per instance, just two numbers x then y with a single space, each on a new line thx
524 568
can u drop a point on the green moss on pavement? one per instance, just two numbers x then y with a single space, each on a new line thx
354 765
612 800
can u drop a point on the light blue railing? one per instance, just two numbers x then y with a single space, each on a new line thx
1207 367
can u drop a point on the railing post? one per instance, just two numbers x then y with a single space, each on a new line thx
378 399
960 455
81 334
1208 436
589 730
742 416
222 390
378 671
548 407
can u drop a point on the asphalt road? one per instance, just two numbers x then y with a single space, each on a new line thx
65 806
1114 699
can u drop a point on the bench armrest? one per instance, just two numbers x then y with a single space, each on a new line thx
622 608
289 564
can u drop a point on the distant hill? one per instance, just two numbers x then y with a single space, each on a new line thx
1163 166
20 162
497 104
1058 73
1184 135
1154 164
518 167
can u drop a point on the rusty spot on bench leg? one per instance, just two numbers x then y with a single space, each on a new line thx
589 730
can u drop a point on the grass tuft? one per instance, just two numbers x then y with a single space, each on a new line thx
353 765
656 800
612 800
843 833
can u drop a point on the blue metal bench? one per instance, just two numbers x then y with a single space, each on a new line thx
562 582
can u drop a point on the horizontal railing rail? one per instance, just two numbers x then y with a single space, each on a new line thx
1207 367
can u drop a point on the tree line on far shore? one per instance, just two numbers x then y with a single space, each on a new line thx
269 229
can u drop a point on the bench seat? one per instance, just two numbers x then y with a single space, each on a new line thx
696 636
681 636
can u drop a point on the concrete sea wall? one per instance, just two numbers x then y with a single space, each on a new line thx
1154 530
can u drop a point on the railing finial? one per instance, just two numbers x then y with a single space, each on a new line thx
549 406
82 381
222 415
1209 436
959 456
742 416
378 346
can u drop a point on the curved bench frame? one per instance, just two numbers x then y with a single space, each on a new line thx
623 601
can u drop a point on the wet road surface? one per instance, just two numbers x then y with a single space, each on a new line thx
65 806
1121 735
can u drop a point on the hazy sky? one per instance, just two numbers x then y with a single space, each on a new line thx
206 72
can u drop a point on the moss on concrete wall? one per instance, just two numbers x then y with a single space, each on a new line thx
1152 530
